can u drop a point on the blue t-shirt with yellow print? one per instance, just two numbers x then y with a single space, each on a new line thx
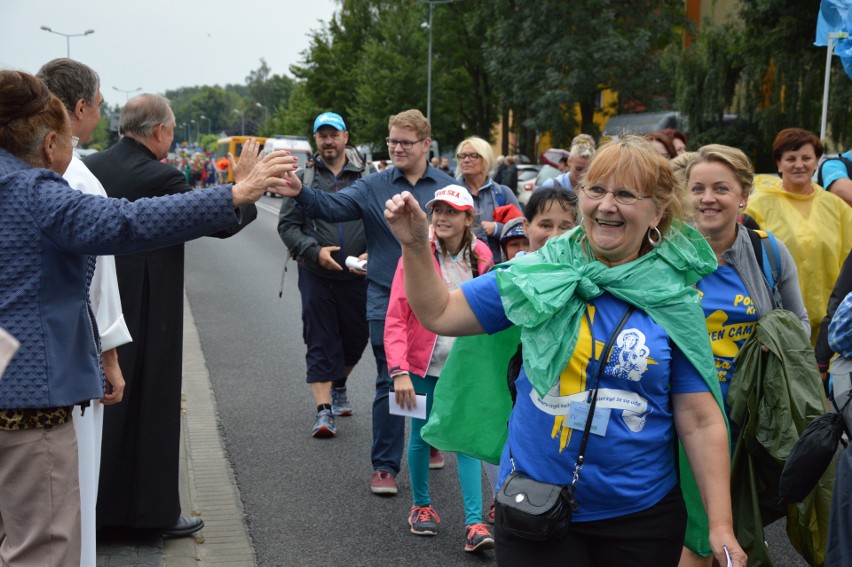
731 317
632 465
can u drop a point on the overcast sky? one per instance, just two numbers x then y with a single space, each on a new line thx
161 44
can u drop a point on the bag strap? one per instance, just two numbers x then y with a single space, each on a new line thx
499 195
604 357
601 364
766 252
770 260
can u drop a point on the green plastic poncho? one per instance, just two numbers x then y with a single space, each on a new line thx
545 295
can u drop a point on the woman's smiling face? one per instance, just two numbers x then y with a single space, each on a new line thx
616 231
716 196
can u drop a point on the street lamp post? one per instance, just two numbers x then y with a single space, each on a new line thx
265 113
208 122
191 122
185 131
243 120
429 64
68 37
127 92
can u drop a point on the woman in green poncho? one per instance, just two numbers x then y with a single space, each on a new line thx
657 382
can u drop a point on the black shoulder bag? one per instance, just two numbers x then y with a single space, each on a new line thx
540 511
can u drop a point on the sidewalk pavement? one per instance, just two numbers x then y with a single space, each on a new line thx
207 486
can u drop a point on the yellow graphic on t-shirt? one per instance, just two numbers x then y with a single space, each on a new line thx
572 380
725 340
630 359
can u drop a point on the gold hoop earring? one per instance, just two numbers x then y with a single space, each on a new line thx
659 239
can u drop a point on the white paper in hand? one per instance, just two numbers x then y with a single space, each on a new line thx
354 262
419 411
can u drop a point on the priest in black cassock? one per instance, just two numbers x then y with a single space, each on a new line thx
141 440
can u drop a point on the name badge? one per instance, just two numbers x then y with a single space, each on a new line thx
578 413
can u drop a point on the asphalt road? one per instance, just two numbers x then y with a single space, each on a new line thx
307 501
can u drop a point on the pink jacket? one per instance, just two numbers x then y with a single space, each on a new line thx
408 345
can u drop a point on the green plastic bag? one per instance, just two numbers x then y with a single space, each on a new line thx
474 425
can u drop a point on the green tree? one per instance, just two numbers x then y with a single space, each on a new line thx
328 73
370 62
544 63
271 92
765 69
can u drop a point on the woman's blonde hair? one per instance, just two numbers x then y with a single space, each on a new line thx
733 158
632 160
680 164
481 147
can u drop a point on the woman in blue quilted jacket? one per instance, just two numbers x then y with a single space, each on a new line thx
49 238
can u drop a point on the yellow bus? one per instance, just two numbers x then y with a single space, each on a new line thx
234 146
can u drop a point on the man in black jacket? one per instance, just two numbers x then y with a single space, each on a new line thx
141 442
334 298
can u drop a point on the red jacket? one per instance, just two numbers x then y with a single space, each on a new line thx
408 345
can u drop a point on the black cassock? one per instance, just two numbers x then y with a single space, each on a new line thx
141 439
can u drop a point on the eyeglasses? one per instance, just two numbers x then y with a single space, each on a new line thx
473 156
405 144
74 141
623 196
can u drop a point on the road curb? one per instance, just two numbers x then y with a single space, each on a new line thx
208 488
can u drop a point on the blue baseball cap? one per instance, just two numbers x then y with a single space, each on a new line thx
513 229
329 119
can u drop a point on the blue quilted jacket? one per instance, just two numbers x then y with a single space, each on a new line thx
47 232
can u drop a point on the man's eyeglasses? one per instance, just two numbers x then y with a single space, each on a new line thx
405 144
623 196
74 141
472 156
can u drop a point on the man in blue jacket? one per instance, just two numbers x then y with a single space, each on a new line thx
334 299
409 139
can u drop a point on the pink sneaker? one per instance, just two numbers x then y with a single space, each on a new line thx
436 459
383 482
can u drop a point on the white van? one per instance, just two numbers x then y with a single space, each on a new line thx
298 146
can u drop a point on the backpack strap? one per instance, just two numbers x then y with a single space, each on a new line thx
766 251
308 176
499 194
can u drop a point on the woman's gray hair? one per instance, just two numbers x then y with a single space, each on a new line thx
70 81
143 113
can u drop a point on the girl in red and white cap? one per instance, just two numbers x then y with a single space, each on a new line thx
416 356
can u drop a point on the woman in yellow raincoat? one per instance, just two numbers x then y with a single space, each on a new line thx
815 225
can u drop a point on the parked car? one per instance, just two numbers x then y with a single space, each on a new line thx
642 123
543 173
526 173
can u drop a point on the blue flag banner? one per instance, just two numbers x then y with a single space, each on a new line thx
836 16
833 16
